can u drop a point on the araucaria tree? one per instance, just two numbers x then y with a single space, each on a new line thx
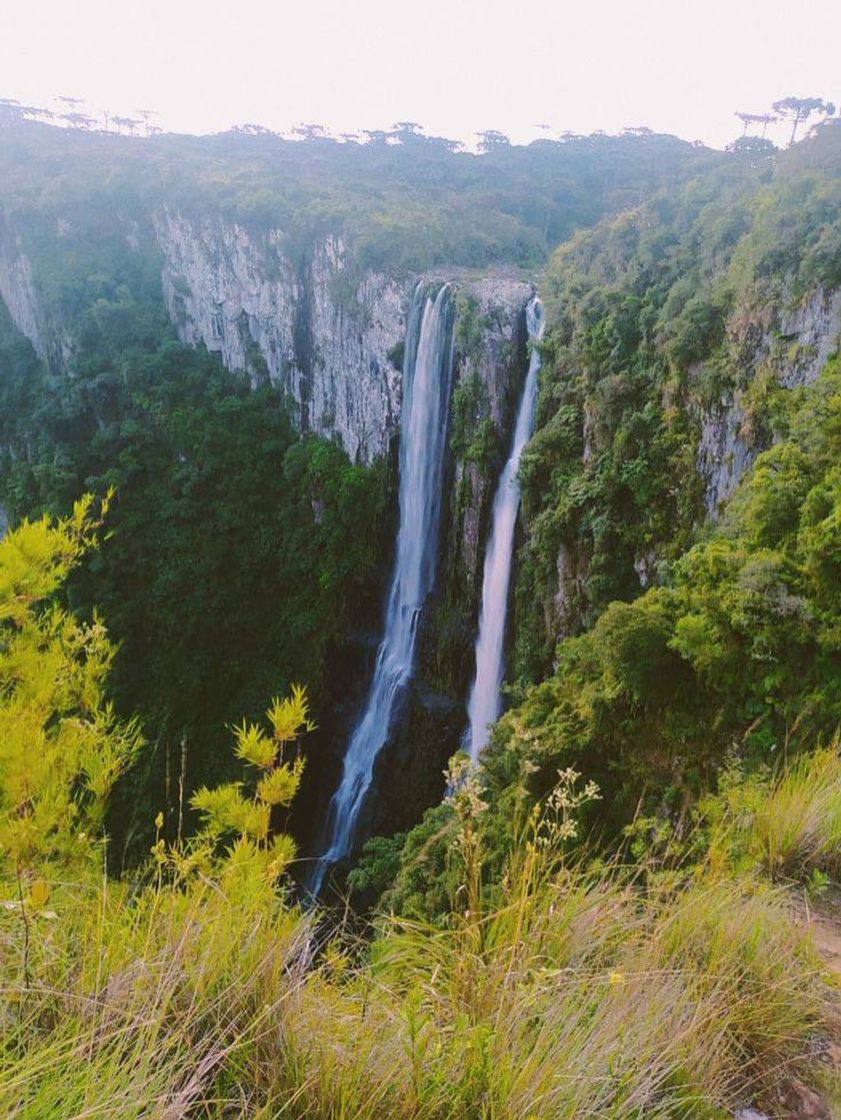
800 109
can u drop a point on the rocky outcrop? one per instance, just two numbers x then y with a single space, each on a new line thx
325 330
567 607
319 327
724 452
20 295
808 333
793 347
497 305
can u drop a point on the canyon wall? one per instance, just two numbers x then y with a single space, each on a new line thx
791 343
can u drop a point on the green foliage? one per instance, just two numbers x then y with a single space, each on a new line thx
470 328
473 434
242 821
412 205
425 879
740 650
61 744
789 826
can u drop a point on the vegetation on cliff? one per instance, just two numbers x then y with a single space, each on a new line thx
237 554
729 656
653 320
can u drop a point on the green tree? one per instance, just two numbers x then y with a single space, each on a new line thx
61 745
799 109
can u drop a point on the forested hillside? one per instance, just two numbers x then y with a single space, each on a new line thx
404 199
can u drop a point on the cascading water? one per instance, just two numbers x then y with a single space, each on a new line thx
427 372
484 705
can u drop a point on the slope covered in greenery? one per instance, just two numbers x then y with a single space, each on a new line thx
654 318
215 575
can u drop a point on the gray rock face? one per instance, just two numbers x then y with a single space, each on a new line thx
467 475
321 329
794 348
500 303
18 292
319 326
724 454
808 334
563 615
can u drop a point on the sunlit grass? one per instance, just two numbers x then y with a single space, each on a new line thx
579 995
790 826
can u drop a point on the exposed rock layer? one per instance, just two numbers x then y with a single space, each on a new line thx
322 330
793 345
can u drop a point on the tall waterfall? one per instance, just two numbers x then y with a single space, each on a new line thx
483 707
427 372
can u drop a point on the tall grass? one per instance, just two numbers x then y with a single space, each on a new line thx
577 995
578 998
573 993
140 1004
789 826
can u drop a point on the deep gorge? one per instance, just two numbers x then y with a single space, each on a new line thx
668 374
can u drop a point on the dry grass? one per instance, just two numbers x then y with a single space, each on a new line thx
578 999
578 995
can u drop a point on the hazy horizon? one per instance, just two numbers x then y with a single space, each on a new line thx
455 66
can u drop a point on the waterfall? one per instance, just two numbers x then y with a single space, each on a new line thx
427 371
484 705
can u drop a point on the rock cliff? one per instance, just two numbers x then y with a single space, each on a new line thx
791 344
325 331
29 312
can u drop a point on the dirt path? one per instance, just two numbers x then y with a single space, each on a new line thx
825 924
823 919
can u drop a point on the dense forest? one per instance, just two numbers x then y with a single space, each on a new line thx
612 915
406 200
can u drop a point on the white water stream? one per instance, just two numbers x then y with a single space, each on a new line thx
484 705
427 373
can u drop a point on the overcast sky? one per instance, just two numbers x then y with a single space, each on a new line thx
456 66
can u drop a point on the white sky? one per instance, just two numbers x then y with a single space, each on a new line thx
456 66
